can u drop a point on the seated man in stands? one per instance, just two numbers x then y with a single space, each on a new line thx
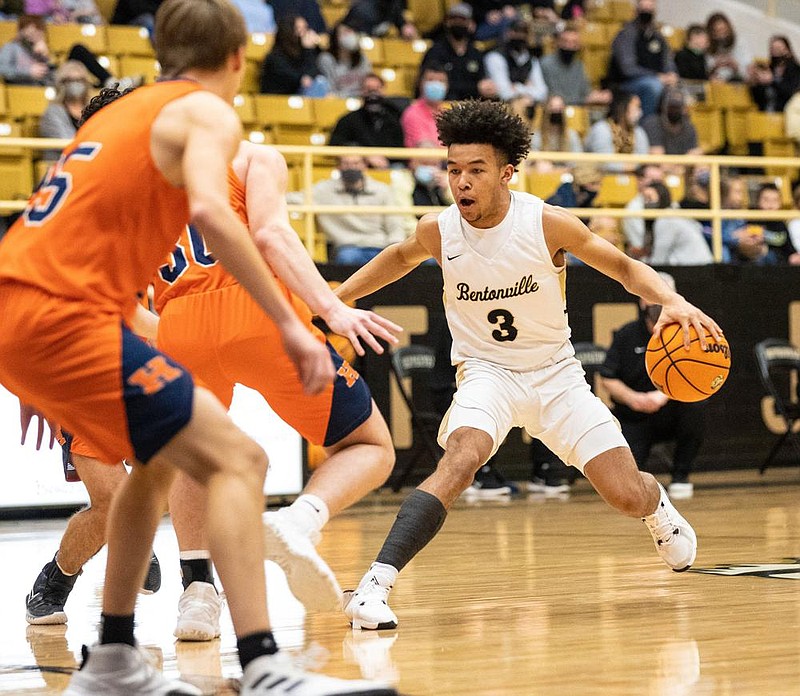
564 72
646 415
356 238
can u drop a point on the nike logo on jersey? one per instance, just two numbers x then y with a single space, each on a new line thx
639 349
450 258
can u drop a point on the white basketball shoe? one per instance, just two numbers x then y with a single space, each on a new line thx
118 669
198 612
673 536
366 607
275 675
309 577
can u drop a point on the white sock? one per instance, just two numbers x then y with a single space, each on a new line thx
385 574
309 512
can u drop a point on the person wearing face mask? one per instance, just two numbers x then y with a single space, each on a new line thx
377 17
619 133
670 131
419 119
457 54
73 92
513 68
291 66
641 59
692 60
773 84
375 124
430 181
356 238
646 415
553 135
343 64
564 72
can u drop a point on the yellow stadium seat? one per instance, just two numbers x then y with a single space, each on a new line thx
258 45
246 109
3 99
124 40
578 119
408 53
595 60
25 101
543 184
16 176
273 109
333 14
599 11
8 30
397 81
329 110
622 10
729 95
251 82
146 67
594 34
426 14
736 131
372 48
675 36
707 121
62 37
106 8
764 126
110 63
781 147
616 190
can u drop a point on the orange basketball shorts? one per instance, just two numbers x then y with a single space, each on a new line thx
84 368
224 337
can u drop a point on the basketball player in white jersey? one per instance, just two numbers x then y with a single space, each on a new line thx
502 257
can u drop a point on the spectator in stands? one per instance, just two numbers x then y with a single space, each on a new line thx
514 70
291 66
670 131
573 10
493 17
343 64
646 415
258 16
430 180
138 13
675 241
356 238
565 75
794 225
581 191
307 9
460 58
773 84
620 132
65 11
553 135
742 243
637 231
375 124
26 59
73 92
727 59
419 119
9 11
780 249
692 60
641 59
377 17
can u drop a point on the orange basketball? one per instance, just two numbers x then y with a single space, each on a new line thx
687 375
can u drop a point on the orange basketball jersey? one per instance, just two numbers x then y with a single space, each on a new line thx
77 238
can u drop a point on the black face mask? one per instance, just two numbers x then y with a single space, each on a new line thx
557 118
458 31
674 114
645 18
373 103
351 177
775 61
517 45
567 55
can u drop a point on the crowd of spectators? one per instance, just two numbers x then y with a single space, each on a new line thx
528 54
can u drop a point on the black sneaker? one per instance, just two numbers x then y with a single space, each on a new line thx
45 603
550 479
489 483
152 583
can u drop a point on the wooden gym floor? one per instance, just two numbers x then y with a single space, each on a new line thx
527 597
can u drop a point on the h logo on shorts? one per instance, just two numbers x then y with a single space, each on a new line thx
347 373
154 375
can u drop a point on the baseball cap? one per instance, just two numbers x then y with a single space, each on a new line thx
460 9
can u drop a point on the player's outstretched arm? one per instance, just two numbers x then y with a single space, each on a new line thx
565 231
395 261
265 182
208 133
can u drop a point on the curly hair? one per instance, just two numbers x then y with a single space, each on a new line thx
103 98
474 122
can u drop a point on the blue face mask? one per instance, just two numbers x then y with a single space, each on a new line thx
425 174
433 90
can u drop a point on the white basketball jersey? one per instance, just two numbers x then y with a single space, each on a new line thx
510 309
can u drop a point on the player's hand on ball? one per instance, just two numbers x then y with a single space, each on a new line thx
682 312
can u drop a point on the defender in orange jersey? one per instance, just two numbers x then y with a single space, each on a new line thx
209 324
99 226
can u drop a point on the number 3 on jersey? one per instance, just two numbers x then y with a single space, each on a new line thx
54 189
505 331
170 272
